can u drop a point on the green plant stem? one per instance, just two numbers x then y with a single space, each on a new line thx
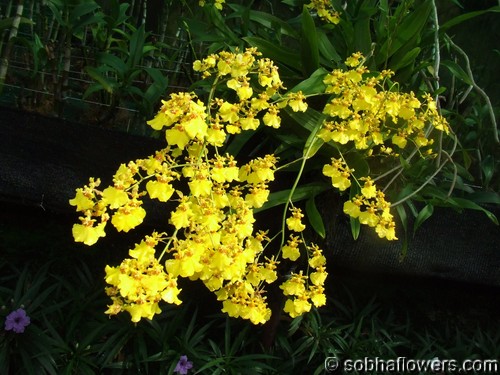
429 179
437 63
289 164
165 249
477 88
437 54
292 191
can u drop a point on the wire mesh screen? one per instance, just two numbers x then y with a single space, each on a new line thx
79 61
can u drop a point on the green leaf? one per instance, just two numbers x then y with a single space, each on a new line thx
488 197
309 44
464 17
218 21
357 161
404 222
302 192
136 47
312 85
457 71
354 223
409 28
156 90
314 217
408 59
94 87
422 216
327 49
81 10
362 28
313 142
267 20
468 204
57 13
308 120
402 215
239 141
112 61
488 168
276 52
83 15
95 74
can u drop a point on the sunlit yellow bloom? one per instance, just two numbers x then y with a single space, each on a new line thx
368 218
399 141
82 200
87 233
295 285
138 311
339 174
180 218
352 209
354 60
317 295
271 118
290 252
162 191
318 259
261 102
294 223
128 217
229 112
249 122
386 229
258 196
318 277
369 190
177 137
115 197
200 187
297 102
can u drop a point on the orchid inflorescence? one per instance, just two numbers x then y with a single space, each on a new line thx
212 236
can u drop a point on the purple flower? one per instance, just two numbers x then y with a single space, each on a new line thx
17 321
183 366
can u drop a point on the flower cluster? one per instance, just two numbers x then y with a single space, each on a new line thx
302 291
371 208
140 282
218 4
213 237
325 11
363 112
211 198
363 115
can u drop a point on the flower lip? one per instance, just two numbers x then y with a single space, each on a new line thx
17 321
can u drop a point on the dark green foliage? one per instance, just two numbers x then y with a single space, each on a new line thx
61 288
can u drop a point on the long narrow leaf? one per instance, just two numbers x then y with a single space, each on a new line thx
422 216
300 193
464 17
309 44
275 52
315 218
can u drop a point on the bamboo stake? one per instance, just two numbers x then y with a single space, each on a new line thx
8 10
144 11
13 33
